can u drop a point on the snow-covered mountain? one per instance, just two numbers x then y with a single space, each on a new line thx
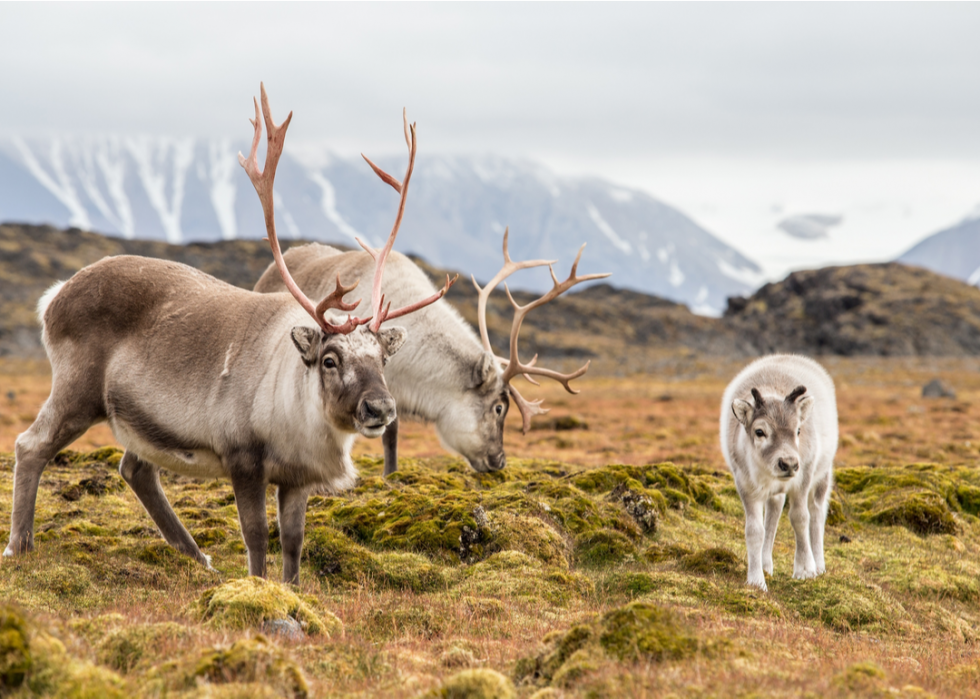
954 251
184 190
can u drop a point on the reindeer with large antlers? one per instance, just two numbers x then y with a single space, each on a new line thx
443 374
208 380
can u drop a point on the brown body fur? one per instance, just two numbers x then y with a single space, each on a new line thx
207 380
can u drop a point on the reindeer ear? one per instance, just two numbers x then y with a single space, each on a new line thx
485 369
742 410
307 341
391 340
806 407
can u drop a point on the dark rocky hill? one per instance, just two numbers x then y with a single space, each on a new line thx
881 309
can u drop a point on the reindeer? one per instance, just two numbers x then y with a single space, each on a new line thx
208 380
781 444
443 373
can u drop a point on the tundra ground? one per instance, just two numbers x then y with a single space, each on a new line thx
607 559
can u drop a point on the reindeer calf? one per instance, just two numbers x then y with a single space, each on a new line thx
781 443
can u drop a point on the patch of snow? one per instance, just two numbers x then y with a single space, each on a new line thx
974 278
283 215
701 306
741 274
328 204
644 253
676 276
59 185
112 164
223 166
85 157
607 230
621 195
150 154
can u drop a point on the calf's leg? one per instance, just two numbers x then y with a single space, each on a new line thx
799 515
774 509
754 540
819 502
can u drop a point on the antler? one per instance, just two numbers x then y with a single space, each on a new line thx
380 312
263 182
514 367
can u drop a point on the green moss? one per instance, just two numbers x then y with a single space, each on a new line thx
511 574
712 561
411 571
56 673
127 646
922 513
15 653
842 601
400 620
630 584
250 661
602 548
645 631
248 602
528 534
860 677
475 684
336 558
678 486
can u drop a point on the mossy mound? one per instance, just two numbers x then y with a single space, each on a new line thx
602 548
636 631
712 561
475 684
842 601
511 574
247 602
672 484
127 647
924 498
15 652
248 662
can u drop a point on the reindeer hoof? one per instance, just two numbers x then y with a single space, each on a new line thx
761 584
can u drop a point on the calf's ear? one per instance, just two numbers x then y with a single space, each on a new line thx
307 341
806 407
742 410
391 340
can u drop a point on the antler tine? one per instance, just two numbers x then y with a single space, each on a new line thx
528 408
484 293
263 181
514 366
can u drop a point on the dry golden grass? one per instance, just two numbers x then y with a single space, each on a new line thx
897 614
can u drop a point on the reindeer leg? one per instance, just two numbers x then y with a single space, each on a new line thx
292 523
819 502
35 447
144 478
774 508
799 516
249 483
390 441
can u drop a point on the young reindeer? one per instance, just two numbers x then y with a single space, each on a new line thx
443 374
208 380
781 443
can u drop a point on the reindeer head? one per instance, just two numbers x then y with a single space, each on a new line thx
774 427
345 359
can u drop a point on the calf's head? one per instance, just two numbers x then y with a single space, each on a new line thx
774 427
349 372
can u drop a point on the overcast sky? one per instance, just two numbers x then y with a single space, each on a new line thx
710 107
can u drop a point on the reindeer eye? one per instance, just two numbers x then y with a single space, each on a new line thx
329 363
798 430
499 409
760 433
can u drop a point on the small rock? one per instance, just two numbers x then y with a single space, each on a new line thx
637 505
287 628
937 388
844 539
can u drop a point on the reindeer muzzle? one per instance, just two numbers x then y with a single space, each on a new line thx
788 467
374 413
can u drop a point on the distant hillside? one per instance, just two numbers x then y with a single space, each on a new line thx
954 251
187 190
611 325
881 309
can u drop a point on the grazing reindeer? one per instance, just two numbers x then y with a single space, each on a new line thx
208 380
443 373
781 444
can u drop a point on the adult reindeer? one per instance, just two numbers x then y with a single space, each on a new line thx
444 373
208 380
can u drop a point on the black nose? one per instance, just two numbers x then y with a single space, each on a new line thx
788 467
497 461
377 410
